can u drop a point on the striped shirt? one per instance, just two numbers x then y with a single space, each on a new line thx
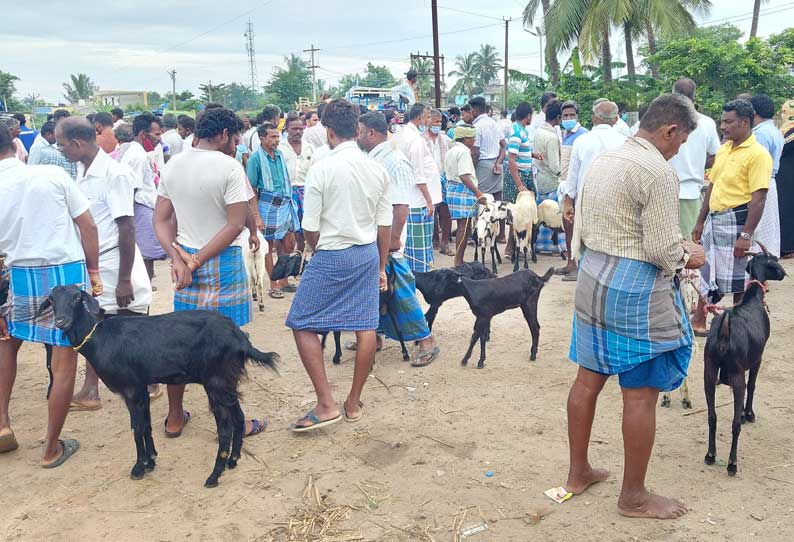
489 134
51 156
520 145
629 207
402 190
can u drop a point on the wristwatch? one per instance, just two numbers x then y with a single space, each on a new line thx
746 236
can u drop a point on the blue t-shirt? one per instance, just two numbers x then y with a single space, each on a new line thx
27 136
520 145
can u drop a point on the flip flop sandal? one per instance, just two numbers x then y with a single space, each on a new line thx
276 294
70 447
175 434
290 288
256 427
699 333
316 423
569 278
431 355
8 443
83 406
350 419
447 252
564 271
351 345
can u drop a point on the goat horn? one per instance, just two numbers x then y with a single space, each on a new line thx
760 244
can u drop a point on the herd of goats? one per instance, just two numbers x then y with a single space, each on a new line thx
204 347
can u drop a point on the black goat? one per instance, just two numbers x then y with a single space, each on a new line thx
489 297
288 265
386 297
337 344
442 285
190 347
736 345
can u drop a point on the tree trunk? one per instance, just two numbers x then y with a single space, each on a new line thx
551 53
606 57
652 48
629 51
756 14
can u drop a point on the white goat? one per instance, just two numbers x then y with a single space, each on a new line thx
255 267
523 215
689 280
549 215
486 229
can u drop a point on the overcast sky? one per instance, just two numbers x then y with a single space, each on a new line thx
126 44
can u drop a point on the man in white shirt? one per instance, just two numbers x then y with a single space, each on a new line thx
404 306
489 150
621 126
315 136
297 158
410 141
202 207
117 114
585 148
171 138
185 126
144 126
110 188
39 258
540 117
45 139
694 157
462 192
347 221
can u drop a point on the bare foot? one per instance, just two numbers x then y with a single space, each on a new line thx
578 484
650 505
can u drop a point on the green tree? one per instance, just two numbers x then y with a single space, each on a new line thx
424 82
7 85
80 87
290 83
377 76
213 93
467 71
550 52
488 63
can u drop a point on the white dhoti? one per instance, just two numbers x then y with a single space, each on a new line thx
768 230
141 286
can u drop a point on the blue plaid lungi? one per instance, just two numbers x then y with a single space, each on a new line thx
404 304
297 199
443 188
220 285
460 200
339 291
279 213
28 288
544 243
419 240
627 313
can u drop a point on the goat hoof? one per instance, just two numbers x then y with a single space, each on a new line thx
137 471
406 357
481 365
686 403
464 362
261 308
732 469
534 259
666 401
232 463
212 481
748 417
709 459
337 361
150 465
533 357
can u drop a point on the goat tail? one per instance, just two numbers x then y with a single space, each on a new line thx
545 278
265 359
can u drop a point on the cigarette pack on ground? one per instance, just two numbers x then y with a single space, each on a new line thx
558 494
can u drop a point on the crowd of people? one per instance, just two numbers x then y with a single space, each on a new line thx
373 197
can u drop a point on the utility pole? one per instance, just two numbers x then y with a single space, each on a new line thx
249 47
435 73
209 91
437 78
507 28
313 66
172 73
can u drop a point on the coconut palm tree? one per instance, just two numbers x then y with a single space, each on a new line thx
424 83
81 88
468 73
550 51
488 63
756 15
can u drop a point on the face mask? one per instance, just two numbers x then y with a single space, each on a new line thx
435 129
625 117
422 129
569 124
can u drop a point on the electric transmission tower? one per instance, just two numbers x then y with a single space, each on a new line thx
249 48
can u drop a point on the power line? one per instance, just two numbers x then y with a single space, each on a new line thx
742 16
400 40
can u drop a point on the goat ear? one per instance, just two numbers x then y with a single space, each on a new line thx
90 304
46 304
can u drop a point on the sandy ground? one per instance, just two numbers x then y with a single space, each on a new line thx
416 465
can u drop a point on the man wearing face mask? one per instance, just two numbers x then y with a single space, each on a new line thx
411 141
621 126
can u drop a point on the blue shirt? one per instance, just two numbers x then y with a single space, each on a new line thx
276 180
569 137
27 136
520 145
772 140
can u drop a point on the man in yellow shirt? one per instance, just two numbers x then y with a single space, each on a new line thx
732 208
